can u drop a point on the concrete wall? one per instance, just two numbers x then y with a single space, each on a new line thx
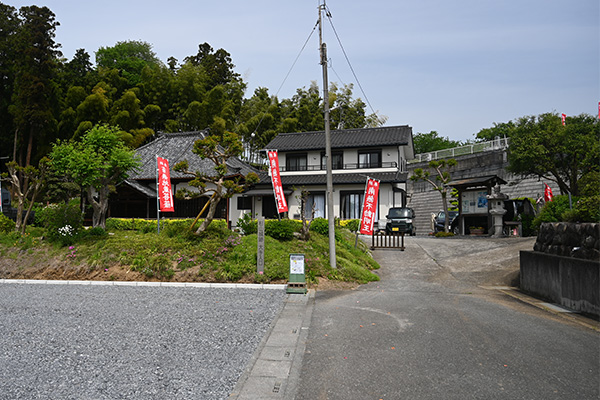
571 282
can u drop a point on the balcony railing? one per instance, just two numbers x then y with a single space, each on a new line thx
389 164
496 144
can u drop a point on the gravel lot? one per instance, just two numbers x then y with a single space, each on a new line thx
127 342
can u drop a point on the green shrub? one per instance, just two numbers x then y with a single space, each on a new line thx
444 234
320 225
589 184
6 224
247 224
174 228
553 210
63 222
281 230
352 224
586 209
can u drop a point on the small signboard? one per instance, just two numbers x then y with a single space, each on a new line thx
297 281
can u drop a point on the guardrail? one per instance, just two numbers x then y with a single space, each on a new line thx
496 144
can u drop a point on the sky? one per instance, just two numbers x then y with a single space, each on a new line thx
454 67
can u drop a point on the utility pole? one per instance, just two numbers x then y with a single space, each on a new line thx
330 216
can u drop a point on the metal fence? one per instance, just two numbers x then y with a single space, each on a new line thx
496 144
383 240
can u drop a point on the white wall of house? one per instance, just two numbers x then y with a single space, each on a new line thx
387 199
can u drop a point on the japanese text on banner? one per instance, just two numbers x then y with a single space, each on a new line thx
165 194
276 180
369 210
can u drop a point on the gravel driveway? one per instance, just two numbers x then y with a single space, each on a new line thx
127 342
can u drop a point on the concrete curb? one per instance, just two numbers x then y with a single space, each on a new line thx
274 370
154 284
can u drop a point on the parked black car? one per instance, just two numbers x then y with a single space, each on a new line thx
440 219
400 220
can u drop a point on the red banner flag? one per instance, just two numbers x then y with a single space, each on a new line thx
165 194
563 117
369 210
548 196
276 180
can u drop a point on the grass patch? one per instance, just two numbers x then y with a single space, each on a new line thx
218 255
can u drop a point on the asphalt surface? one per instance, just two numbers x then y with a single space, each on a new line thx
430 330
60 341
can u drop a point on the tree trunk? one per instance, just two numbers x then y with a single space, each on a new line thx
29 148
99 207
445 201
214 202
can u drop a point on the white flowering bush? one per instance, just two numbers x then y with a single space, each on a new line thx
62 222
66 230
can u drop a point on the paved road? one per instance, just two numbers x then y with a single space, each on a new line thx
428 330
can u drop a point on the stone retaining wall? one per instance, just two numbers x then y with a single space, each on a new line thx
569 240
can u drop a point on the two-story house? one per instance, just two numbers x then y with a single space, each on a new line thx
379 153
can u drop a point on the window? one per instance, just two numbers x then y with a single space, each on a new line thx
337 160
369 159
351 204
244 203
315 201
295 162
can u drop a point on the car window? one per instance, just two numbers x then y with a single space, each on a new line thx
400 213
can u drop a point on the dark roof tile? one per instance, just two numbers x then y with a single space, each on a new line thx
341 139
176 147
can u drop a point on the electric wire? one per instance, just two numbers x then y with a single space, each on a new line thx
328 14
289 72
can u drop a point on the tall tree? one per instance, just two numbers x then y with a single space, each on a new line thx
217 64
9 23
77 71
97 163
499 130
441 170
34 98
542 146
129 57
432 141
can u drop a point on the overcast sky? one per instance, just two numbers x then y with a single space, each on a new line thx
450 66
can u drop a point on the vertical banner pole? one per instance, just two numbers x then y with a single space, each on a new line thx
157 199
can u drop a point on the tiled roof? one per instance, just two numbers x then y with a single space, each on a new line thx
176 147
341 139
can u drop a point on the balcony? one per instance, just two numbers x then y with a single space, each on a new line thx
390 164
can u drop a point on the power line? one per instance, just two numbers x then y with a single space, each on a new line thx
289 72
348 61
